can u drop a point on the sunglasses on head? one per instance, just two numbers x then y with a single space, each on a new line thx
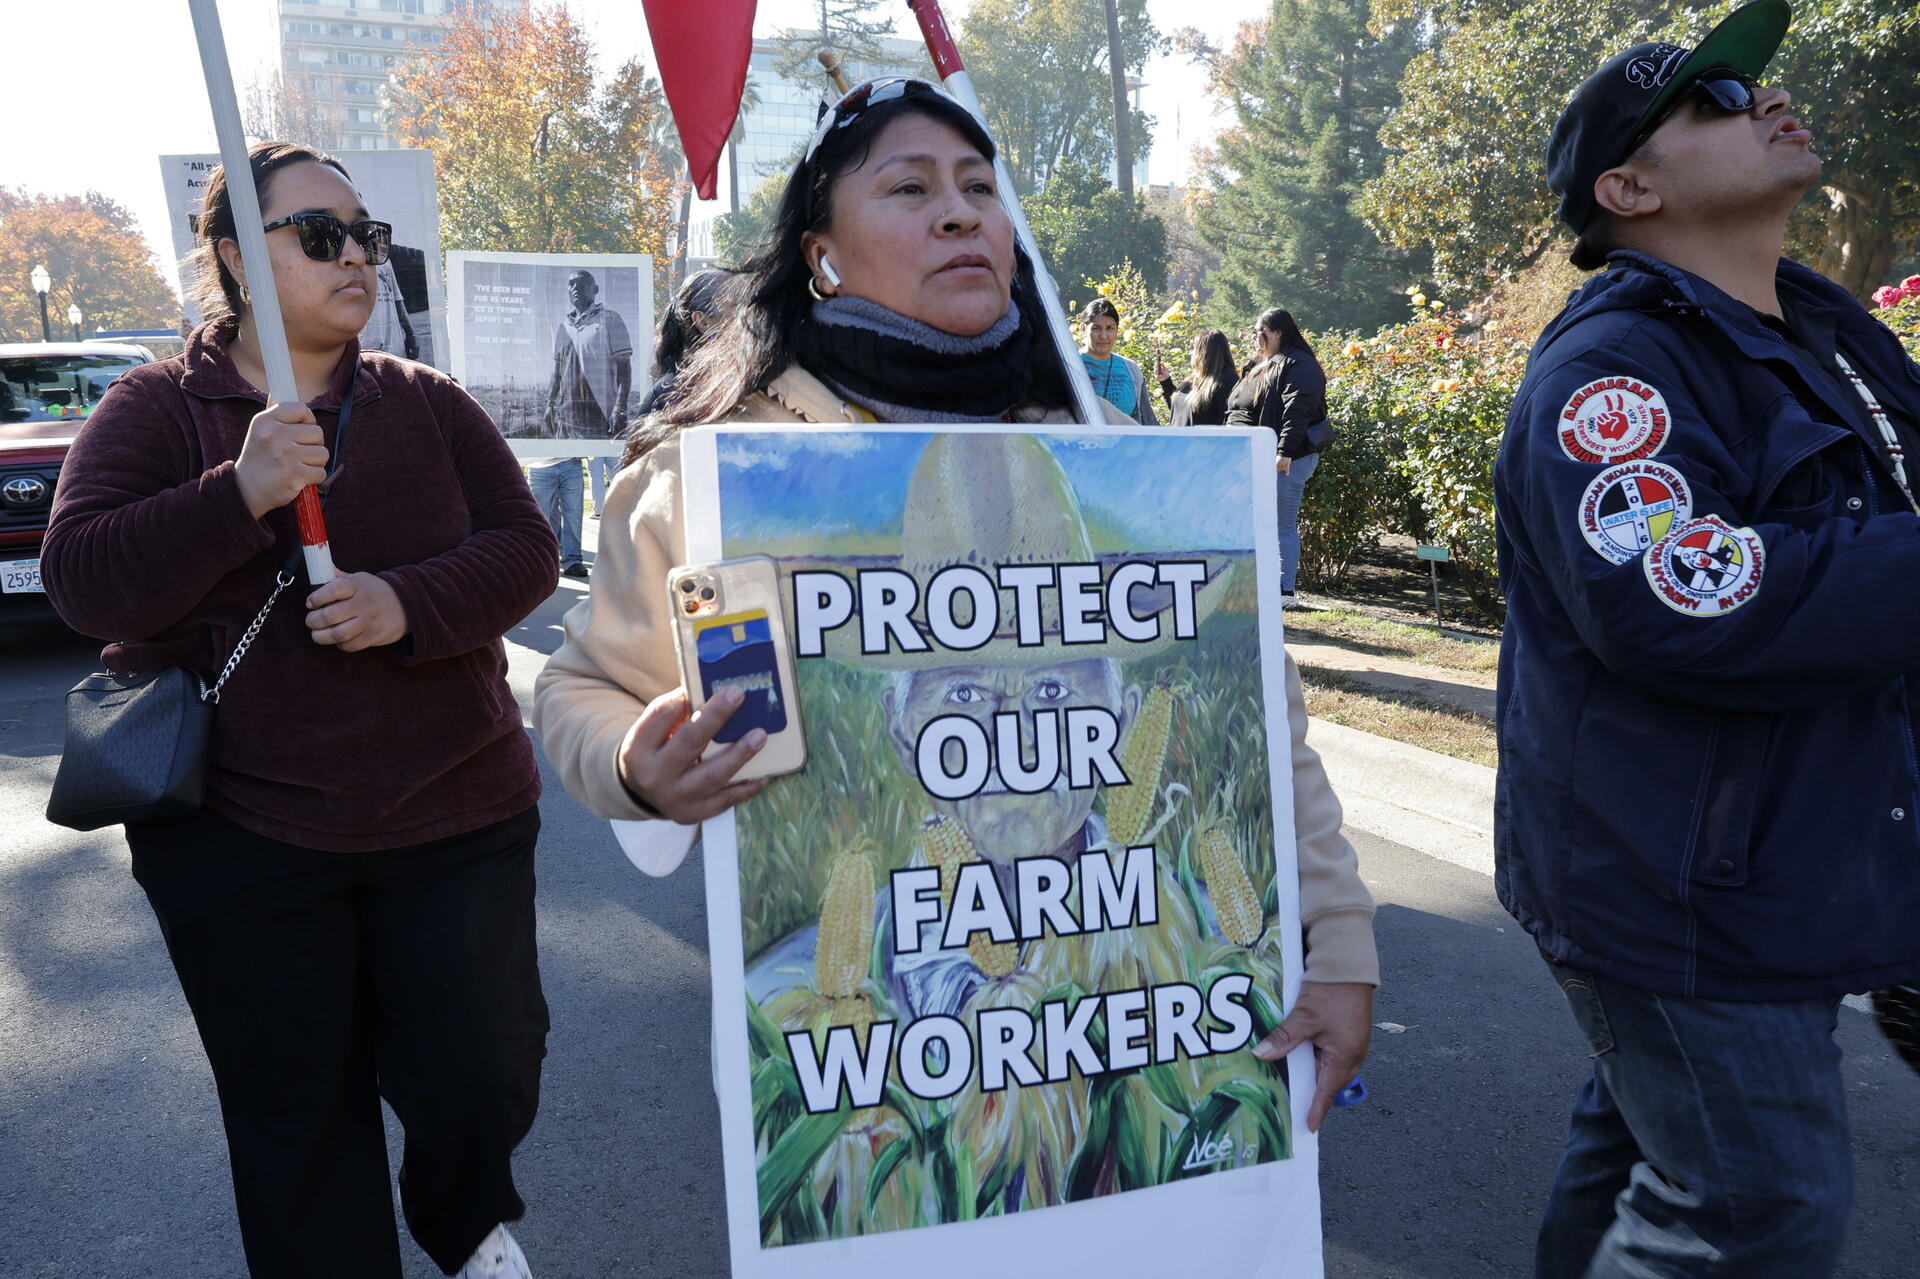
859 98
1734 92
322 236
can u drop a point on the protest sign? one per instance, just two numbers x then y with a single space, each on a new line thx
556 346
987 972
409 311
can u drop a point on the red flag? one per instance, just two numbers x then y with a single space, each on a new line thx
702 47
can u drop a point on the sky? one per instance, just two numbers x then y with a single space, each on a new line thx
96 90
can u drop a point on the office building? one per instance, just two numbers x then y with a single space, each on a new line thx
336 57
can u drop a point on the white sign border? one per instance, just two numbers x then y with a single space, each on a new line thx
1231 1222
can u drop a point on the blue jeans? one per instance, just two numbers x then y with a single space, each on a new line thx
1293 487
600 469
558 490
1711 1140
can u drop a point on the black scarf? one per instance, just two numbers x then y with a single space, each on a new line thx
905 371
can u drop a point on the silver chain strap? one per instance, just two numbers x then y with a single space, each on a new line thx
211 696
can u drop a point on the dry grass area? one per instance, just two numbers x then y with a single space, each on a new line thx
1411 642
1405 717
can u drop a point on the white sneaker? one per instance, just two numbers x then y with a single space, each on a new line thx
1288 601
497 1257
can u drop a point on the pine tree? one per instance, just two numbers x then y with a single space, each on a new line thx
1311 87
849 28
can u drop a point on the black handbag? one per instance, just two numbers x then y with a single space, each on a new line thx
1319 435
136 745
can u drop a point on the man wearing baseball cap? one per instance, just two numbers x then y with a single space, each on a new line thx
1708 808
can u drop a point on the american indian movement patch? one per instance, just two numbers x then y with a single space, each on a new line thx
1705 567
1614 419
1631 506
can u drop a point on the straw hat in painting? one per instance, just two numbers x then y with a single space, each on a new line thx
991 499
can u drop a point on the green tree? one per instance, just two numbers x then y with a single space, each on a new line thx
1042 70
1086 229
1311 87
1467 176
533 153
98 260
738 236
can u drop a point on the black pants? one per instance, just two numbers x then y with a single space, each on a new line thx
322 982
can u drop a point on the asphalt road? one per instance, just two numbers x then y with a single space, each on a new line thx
114 1163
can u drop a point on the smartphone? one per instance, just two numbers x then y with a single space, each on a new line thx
730 632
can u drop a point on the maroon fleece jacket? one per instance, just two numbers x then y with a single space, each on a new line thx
152 547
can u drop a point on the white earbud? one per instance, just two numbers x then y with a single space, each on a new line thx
826 269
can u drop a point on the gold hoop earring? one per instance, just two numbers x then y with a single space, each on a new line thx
246 298
813 290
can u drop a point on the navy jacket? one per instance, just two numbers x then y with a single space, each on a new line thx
1709 680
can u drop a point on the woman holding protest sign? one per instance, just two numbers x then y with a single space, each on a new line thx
892 290
1285 390
350 912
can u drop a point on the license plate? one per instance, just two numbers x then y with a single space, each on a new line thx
20 577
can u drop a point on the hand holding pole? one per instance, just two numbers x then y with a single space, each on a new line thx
272 333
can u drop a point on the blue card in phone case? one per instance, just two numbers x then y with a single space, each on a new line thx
736 651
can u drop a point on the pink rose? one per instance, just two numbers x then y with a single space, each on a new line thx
1911 286
1887 296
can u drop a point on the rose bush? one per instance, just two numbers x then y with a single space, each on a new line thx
1900 311
1420 408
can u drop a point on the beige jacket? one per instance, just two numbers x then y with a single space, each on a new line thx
618 654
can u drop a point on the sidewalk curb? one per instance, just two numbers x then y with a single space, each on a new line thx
1424 800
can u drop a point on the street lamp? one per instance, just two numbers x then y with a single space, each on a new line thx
41 283
73 318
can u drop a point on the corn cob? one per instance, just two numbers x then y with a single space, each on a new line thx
1231 891
1130 807
944 844
842 953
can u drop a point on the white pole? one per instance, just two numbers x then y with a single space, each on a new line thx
946 59
267 324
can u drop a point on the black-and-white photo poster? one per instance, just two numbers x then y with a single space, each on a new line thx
556 346
409 312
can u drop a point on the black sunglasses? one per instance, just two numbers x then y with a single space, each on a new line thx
322 236
1734 92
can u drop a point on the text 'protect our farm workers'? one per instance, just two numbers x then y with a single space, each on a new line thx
960 611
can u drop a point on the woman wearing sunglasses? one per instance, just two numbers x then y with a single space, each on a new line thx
351 912
890 290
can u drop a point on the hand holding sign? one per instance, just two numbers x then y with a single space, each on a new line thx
1337 1019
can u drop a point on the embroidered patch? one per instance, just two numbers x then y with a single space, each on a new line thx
1631 506
1614 419
1706 568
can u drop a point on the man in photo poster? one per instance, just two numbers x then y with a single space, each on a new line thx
592 377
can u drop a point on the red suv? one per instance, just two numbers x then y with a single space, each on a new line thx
47 389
